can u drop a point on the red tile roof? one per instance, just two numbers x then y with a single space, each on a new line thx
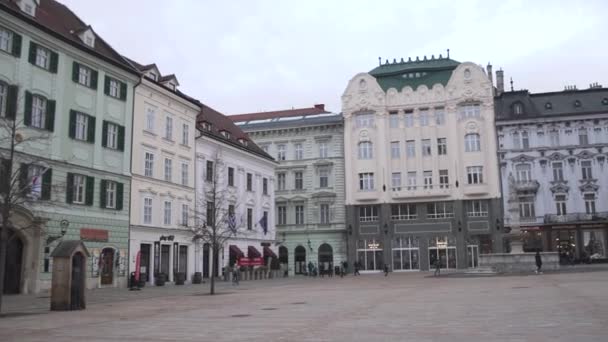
317 109
220 122
58 20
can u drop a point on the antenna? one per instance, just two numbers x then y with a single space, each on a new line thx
448 53
511 83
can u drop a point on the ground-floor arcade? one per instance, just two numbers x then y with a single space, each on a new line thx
322 250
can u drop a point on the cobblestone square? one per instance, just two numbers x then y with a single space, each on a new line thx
400 307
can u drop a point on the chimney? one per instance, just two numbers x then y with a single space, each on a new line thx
500 82
320 106
490 74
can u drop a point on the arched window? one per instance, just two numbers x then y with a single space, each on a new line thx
471 142
365 150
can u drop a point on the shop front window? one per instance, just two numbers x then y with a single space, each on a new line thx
594 242
532 241
443 250
369 255
406 254
566 245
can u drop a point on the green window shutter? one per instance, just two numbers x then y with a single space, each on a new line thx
16 45
123 91
72 132
50 115
24 185
91 129
119 195
93 79
121 138
69 189
104 134
106 85
27 111
54 62
75 70
32 55
11 103
47 181
90 188
102 193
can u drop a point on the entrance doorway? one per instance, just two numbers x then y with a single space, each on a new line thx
283 255
326 257
107 266
206 260
13 265
77 285
144 262
300 260
473 256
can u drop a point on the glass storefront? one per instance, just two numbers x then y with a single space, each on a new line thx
532 240
594 245
369 255
565 244
406 253
443 249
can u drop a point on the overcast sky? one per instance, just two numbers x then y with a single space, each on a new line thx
247 56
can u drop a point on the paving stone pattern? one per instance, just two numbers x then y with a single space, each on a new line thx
400 307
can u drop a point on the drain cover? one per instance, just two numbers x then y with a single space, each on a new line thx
269 309
520 287
296 303
240 315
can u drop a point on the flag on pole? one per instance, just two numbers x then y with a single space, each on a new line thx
264 223
232 223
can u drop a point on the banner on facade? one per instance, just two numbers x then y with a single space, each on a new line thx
137 266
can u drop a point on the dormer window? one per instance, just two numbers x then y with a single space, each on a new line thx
89 41
88 37
577 103
243 141
152 76
518 108
206 126
28 6
548 105
225 134
605 101
172 86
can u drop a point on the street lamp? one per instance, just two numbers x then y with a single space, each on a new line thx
309 245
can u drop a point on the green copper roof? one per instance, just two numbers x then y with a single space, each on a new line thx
414 73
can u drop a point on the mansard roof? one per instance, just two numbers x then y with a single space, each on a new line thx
299 117
314 110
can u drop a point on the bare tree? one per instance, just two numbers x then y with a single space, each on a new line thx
20 186
216 221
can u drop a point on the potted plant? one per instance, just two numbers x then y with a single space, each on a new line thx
197 278
180 278
159 279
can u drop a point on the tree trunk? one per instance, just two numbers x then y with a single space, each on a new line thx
213 275
3 247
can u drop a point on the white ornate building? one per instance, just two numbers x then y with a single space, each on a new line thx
422 179
245 182
553 147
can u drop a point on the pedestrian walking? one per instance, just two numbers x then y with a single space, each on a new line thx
539 263
310 268
357 266
235 275
437 267
386 270
344 267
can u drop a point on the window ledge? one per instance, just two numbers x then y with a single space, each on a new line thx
148 132
169 141
185 146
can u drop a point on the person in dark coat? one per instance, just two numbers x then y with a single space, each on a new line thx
386 270
539 263
344 267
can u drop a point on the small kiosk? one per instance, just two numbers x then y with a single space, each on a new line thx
69 276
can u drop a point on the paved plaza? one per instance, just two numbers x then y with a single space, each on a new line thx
400 307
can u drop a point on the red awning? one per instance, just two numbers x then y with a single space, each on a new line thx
237 251
252 252
269 253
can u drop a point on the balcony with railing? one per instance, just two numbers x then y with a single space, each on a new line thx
576 217
429 191
527 186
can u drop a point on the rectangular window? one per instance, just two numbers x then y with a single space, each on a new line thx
112 136
558 172
210 213
393 119
428 179
79 188
209 173
282 214
439 116
525 140
230 176
410 148
147 211
168 169
185 214
411 180
185 167
299 180
409 119
299 214
366 181
442 146
298 151
84 75
586 169
114 88
249 182
523 172
589 203
439 210
6 40
395 153
526 207
264 186
4 98
475 174
396 181
365 150
554 138
324 214
423 116
472 142
82 123
167 214
516 140
43 57
111 191
281 152
583 138
249 219
169 128
281 181
39 104
470 111
368 213
149 164
426 147
560 203
185 134
403 211
477 209
323 150
150 115
444 181
323 178
364 120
